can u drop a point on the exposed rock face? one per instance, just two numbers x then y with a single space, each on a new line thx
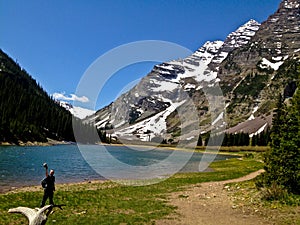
235 40
250 66
250 75
277 37
280 34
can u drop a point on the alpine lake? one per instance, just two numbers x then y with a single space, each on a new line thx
22 166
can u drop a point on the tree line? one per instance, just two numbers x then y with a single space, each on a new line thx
236 139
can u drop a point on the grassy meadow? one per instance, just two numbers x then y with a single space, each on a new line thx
113 203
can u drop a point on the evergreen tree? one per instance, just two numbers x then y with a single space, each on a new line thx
282 161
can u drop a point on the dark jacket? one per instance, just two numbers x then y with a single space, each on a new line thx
48 183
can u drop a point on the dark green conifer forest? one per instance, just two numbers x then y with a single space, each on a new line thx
27 112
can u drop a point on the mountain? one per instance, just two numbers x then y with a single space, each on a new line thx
251 66
263 67
27 112
76 111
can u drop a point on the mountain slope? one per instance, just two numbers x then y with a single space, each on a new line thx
253 75
252 66
145 110
27 113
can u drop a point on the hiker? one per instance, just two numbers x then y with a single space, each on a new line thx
48 185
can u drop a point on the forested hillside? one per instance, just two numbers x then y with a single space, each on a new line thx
27 112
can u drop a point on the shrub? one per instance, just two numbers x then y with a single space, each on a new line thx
274 192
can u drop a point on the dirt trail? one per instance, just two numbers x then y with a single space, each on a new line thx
208 203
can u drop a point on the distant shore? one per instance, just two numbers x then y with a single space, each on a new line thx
207 149
50 142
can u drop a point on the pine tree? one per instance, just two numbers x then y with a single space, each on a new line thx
282 161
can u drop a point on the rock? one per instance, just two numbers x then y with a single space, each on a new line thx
234 206
183 196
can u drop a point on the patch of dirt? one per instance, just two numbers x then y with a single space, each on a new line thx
209 203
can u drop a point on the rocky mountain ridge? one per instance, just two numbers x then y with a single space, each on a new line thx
275 43
249 66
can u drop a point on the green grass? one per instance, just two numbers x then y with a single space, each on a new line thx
112 203
237 149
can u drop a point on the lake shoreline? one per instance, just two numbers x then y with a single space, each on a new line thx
63 185
30 188
50 142
226 150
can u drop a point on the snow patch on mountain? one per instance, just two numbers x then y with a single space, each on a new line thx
165 86
148 128
193 66
220 117
267 64
261 129
236 39
252 113
101 123
289 4
78 112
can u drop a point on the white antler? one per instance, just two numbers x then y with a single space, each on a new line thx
35 216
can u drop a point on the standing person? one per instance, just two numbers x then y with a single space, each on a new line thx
49 186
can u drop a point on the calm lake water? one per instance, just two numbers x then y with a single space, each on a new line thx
22 166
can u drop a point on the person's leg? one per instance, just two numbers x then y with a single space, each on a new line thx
44 199
51 198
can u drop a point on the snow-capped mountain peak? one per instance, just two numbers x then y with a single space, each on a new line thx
78 112
236 39
242 35
191 67
205 53
146 113
244 66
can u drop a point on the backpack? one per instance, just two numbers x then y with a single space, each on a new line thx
44 183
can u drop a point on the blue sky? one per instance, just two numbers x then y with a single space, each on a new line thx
56 41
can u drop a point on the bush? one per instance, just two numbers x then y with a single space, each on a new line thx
274 192
248 155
